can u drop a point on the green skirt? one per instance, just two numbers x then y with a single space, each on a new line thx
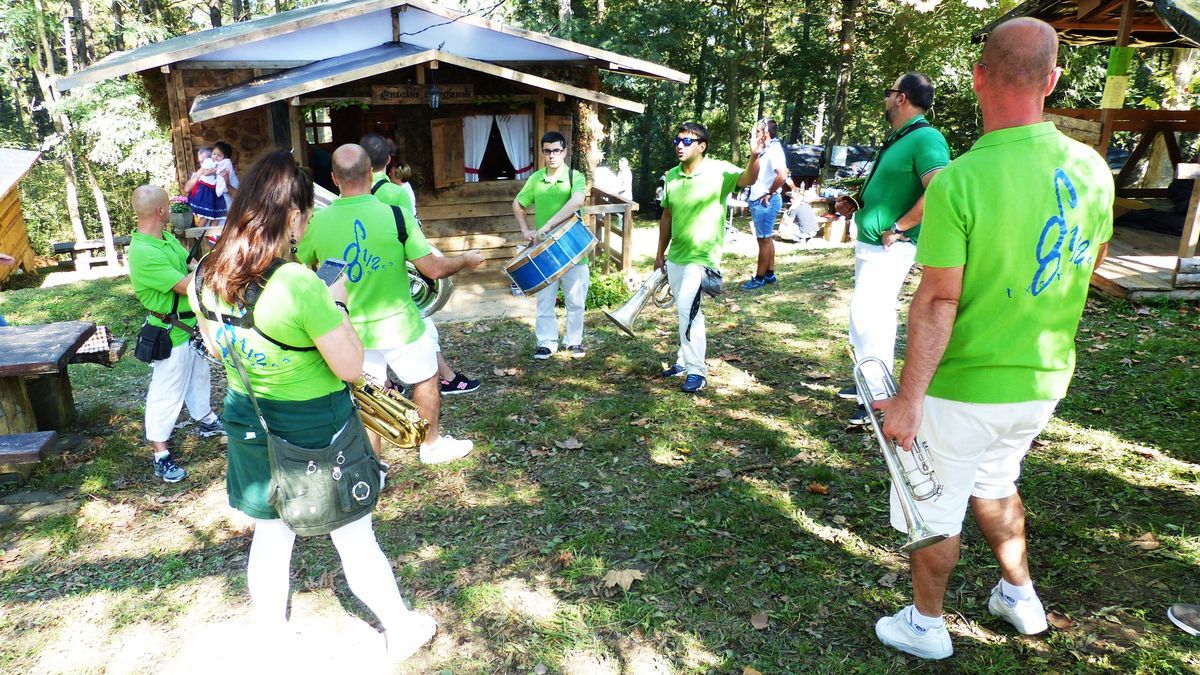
309 424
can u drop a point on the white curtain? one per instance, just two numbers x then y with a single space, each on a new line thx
476 129
516 132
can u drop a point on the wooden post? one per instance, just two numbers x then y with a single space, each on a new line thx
1107 114
539 128
299 148
51 400
1191 233
16 412
627 239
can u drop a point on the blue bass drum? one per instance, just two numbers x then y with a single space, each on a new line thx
543 263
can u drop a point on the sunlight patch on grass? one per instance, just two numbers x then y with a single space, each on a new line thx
536 603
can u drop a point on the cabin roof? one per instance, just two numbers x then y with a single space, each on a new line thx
340 28
14 164
1156 23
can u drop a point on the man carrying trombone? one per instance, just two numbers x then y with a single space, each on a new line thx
1013 230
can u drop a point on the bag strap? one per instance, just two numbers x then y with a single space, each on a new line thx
377 185
401 229
253 291
892 140
237 362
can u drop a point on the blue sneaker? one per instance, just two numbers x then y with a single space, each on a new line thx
754 283
168 470
675 371
693 384
771 278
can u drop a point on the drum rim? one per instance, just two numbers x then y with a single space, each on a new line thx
557 275
554 235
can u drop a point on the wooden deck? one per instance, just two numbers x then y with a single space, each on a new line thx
1139 266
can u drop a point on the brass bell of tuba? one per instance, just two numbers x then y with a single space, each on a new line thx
429 295
387 413
656 287
912 474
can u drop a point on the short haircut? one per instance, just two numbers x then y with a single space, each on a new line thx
402 171
772 127
351 164
696 129
554 137
204 151
377 149
225 148
918 89
1022 52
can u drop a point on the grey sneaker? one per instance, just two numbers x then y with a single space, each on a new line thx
576 351
210 429
168 470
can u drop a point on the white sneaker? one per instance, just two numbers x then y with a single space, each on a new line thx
1027 616
404 640
927 643
447 449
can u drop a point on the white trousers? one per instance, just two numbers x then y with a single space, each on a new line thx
879 274
367 569
685 284
182 377
575 289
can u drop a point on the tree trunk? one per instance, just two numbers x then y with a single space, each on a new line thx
837 117
802 84
44 72
214 13
110 250
118 35
700 95
646 131
564 11
733 95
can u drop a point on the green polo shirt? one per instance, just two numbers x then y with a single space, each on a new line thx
390 193
1023 212
895 181
294 308
697 205
548 195
156 264
362 231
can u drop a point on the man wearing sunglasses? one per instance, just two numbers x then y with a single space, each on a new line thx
693 226
889 222
556 194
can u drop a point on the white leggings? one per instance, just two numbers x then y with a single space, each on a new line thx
367 570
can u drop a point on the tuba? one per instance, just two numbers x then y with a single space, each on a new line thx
429 295
914 480
656 287
389 414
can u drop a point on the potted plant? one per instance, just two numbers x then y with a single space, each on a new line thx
181 214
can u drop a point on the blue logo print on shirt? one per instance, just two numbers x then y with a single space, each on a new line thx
359 260
1050 259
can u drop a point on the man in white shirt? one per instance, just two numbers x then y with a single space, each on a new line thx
766 202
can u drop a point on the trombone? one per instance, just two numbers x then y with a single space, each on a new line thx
913 480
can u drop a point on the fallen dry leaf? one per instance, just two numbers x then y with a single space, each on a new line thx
1146 542
1040 443
563 559
571 443
750 671
1059 621
641 422
724 473
759 620
817 375
888 580
735 307
622 578
818 488
797 398
504 372
540 452
730 358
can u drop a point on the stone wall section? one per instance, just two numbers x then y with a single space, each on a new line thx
249 132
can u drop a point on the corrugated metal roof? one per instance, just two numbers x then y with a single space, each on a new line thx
14 164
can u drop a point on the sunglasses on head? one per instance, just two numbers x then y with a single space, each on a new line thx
685 141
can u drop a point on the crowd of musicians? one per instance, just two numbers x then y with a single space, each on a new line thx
1007 235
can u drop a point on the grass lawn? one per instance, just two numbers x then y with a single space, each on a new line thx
754 519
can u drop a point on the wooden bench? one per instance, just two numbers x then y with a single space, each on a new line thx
74 248
19 453
35 391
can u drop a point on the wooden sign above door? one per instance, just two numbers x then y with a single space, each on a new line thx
414 94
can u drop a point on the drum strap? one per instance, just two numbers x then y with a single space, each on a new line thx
378 184
401 230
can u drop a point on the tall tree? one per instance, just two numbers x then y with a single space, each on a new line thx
837 117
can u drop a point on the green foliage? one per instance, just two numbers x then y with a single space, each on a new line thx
606 290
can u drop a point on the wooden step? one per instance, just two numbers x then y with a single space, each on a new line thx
19 453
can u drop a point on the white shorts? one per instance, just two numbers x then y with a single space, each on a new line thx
414 362
432 331
977 450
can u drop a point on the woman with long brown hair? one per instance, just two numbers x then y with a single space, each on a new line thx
298 355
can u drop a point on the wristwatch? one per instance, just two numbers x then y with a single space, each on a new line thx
896 230
342 306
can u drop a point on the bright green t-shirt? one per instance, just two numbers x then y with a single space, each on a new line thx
548 195
895 181
155 266
697 205
362 231
1024 213
294 308
390 193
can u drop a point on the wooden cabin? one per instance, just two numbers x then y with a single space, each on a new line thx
466 100
14 238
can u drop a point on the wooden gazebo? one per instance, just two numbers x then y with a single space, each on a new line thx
14 238
1141 263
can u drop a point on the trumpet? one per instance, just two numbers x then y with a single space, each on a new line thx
655 287
914 480
389 414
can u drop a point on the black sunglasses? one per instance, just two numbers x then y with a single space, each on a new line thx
685 141
889 92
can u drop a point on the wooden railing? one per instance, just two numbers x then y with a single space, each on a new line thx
601 215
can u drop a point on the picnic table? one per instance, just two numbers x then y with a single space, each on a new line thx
35 391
